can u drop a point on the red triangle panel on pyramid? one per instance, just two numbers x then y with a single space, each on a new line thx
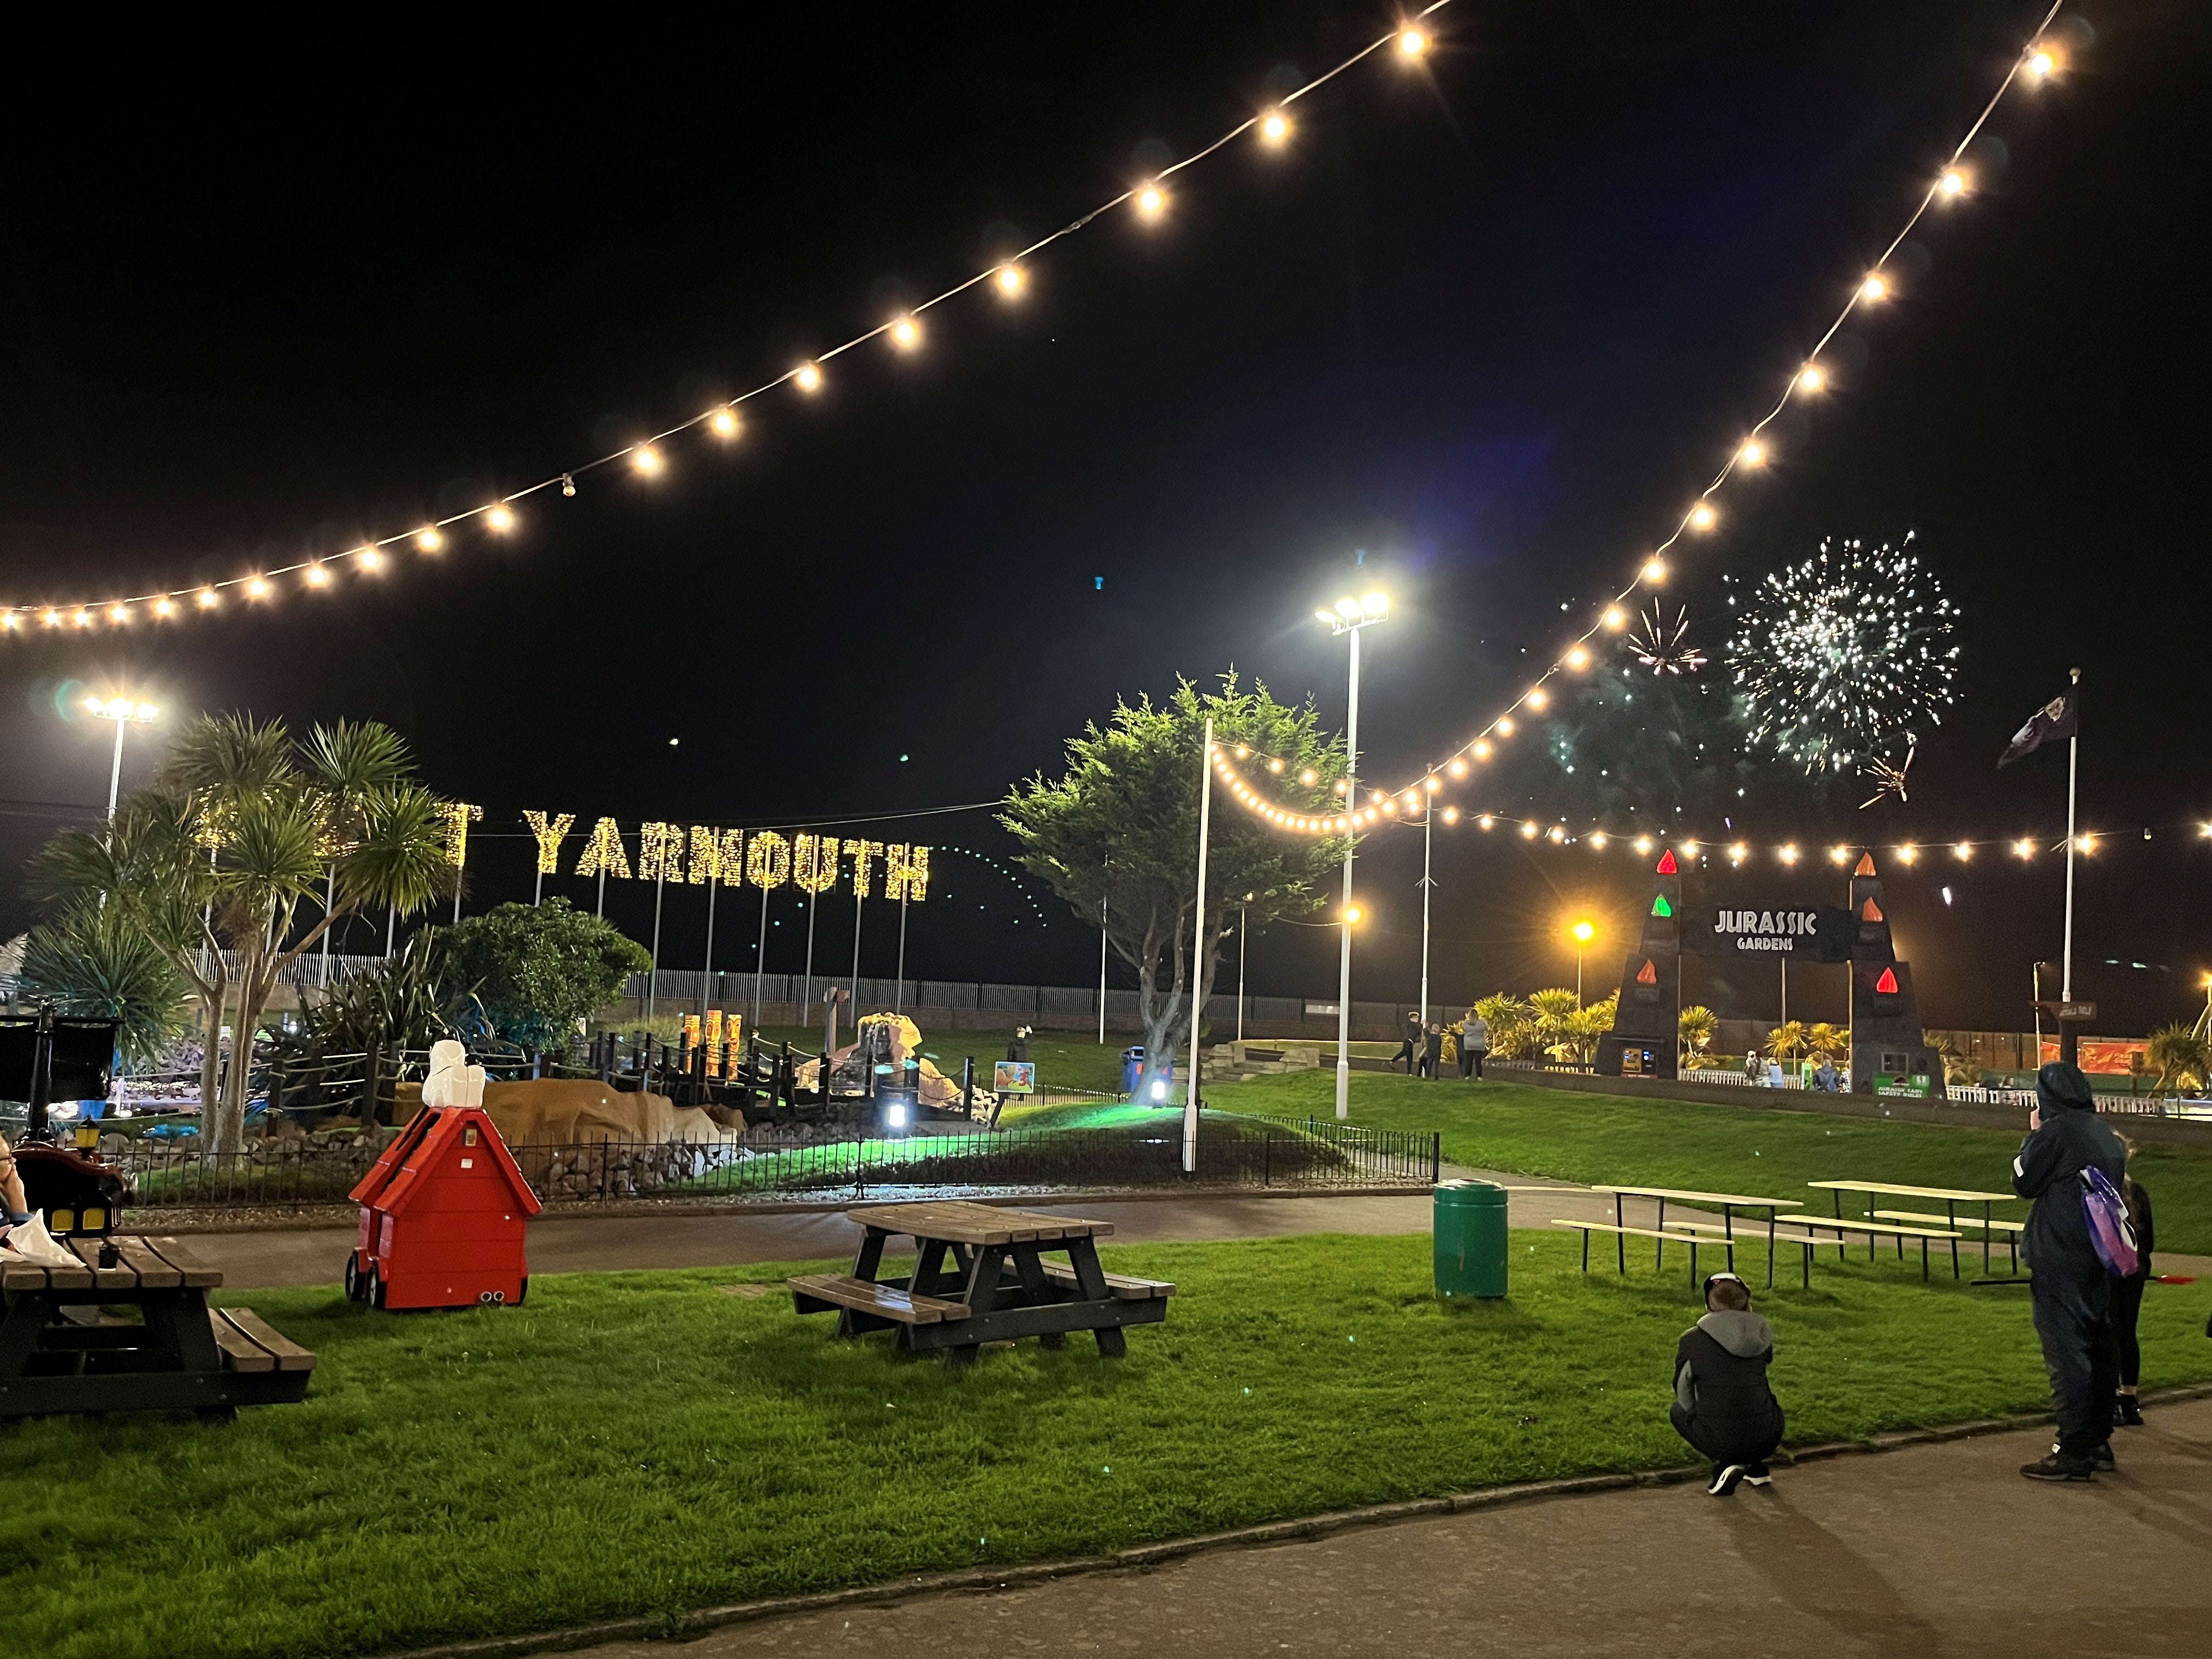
1667 865
1648 974
1887 984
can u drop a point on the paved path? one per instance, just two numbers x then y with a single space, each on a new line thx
1929 1550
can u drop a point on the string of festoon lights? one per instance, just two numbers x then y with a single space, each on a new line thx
1410 42
2041 60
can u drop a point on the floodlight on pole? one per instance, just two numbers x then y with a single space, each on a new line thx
1351 615
1582 932
125 712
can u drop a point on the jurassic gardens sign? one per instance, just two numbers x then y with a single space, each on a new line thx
1800 932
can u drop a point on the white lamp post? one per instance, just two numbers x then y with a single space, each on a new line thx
125 714
1349 617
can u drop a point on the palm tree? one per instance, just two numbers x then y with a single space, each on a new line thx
1510 1022
1786 1041
1553 1016
1697 1025
1826 1041
94 961
2181 1057
237 829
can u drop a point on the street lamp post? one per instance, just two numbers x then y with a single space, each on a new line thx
1583 933
1241 936
126 713
1349 617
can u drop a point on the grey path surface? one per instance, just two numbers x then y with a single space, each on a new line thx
569 1243
1929 1550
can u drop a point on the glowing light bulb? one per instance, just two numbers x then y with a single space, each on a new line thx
1010 280
2042 63
1812 378
1391 807
1537 697
647 460
1615 618
1151 201
1701 516
1555 834
1487 821
1953 181
162 608
1352 913
1839 854
1876 287
1738 852
1597 839
1412 42
907 332
1274 126
2024 847
369 558
50 619
1451 815
316 575
1754 453
1348 609
209 598
501 517
1375 605
1787 852
1342 786
1655 570
257 588
431 538
2085 843
1908 853
1963 851
808 377
1309 777
1578 658
1481 751
1275 766
82 618
11 621
1457 768
1242 753
1689 851
1504 727
1527 831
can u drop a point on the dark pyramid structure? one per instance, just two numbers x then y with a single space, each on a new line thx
1646 1021
1888 1048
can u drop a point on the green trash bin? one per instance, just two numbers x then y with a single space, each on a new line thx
1470 1239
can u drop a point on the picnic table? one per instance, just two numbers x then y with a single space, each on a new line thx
1727 1203
1949 1197
60 1352
981 1275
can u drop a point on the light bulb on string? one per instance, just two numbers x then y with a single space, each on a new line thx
2042 63
82 617
1908 854
1451 815
1963 851
1412 42
1309 777
369 558
1576 658
163 607
1787 853
1839 854
257 587
807 377
1528 831
567 484
1702 516
1151 201
1457 768
1505 726
501 517
1597 840
118 614
1486 821
2024 848
1274 126
1653 572
1010 281
1615 618
1481 751
209 598
316 576
906 333
1812 378
1754 453
724 424
429 538
1953 181
1537 698
1876 287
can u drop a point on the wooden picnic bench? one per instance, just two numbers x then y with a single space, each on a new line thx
59 1353
1727 1203
1692 1233
1877 1230
1949 1197
980 1276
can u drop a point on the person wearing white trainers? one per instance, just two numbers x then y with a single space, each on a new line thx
1722 1404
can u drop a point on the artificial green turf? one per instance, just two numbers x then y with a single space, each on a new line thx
1064 1060
629 1444
1753 1149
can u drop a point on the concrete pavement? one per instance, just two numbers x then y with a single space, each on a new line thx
1929 1550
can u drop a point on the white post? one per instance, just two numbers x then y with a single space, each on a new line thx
329 898
1344 971
1240 972
2066 963
1101 972
760 957
1428 828
898 997
1198 953
707 973
653 974
1785 988
391 920
537 895
807 985
858 906
115 772
601 909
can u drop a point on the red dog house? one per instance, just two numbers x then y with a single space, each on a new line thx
442 1217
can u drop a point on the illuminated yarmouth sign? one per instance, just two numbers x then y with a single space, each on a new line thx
1812 932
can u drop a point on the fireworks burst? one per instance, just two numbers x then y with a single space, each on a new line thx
1840 660
1663 649
1888 780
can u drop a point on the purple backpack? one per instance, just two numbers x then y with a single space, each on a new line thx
2107 1216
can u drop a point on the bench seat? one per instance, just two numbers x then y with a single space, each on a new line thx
1995 1225
819 1292
1887 1230
1119 1284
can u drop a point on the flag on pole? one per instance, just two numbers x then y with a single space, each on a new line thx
2056 719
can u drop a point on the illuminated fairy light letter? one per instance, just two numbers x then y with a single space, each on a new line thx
906 872
814 863
862 851
768 860
460 814
717 856
603 855
549 836
659 852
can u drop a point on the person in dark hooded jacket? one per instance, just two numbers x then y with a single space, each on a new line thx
2071 1288
1722 1405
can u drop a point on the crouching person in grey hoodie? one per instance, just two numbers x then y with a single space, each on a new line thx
1723 1406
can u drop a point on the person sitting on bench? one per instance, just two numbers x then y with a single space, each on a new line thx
11 1189
1723 1406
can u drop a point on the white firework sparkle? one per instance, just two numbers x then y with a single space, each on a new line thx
1841 661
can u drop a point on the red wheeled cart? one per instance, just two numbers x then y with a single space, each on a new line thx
442 1217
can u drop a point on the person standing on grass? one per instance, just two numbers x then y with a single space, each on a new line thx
2127 1296
1409 1046
1722 1405
1432 1053
2072 1291
1474 1043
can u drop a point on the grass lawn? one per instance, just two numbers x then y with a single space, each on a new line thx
1065 1060
642 1442
1666 1143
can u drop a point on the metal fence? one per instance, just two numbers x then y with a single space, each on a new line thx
1232 1152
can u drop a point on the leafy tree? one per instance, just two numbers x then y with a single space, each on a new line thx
416 999
1786 1041
538 969
1552 1014
1696 1026
1118 831
239 828
1512 1025
1828 1042
1586 1027
2181 1058
95 962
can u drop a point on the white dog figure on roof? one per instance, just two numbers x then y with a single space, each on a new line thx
452 1081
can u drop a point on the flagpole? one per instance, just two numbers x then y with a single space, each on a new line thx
2067 1044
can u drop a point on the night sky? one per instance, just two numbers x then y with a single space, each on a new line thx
1490 321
